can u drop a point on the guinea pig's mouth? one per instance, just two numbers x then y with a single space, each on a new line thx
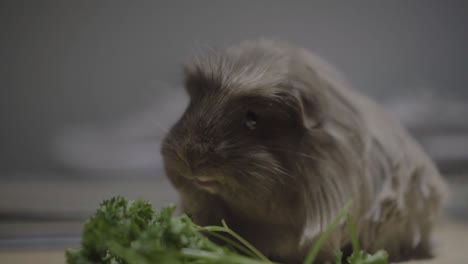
208 184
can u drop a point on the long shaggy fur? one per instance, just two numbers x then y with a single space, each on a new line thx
318 144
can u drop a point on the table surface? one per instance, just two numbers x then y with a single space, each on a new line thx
453 250
36 227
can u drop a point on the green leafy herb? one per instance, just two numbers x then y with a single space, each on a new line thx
130 232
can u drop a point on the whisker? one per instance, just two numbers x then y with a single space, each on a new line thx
233 147
298 153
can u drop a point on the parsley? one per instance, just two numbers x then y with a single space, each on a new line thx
130 232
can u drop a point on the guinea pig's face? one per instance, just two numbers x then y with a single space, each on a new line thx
242 130
234 141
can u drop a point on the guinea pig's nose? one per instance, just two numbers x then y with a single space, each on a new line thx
195 159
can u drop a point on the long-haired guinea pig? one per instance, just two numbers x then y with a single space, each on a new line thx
274 144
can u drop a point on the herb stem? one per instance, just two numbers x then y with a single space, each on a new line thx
189 252
324 236
245 243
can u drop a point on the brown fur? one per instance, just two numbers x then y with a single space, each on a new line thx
317 144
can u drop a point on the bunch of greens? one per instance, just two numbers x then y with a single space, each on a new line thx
130 232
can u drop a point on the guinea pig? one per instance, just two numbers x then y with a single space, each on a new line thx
275 143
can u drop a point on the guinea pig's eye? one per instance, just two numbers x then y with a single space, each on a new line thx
250 120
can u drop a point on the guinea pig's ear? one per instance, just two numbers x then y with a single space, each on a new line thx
311 102
198 80
193 80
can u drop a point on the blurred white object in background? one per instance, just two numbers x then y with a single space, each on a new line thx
439 123
426 109
130 143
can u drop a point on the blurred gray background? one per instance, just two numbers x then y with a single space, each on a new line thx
89 87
